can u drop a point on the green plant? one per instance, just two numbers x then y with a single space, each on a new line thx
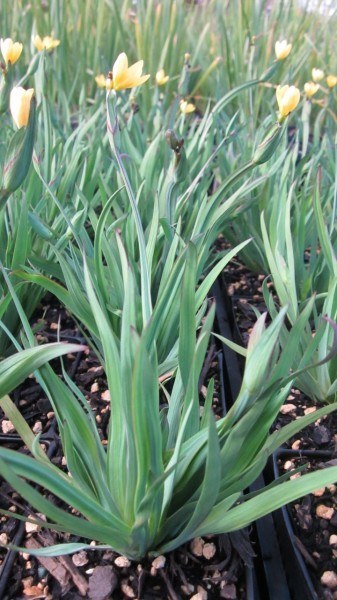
147 491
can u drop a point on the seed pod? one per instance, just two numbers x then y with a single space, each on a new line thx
266 149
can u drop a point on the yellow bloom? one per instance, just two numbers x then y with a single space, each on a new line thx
10 50
317 75
282 49
100 80
311 88
47 43
125 77
331 81
186 107
161 78
288 98
19 104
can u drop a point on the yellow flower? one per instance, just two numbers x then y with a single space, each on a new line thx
161 78
311 88
317 75
282 49
10 50
186 107
331 81
19 104
125 77
47 43
288 98
100 80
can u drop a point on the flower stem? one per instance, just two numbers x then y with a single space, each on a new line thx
112 124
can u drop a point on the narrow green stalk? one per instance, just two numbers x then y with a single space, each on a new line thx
144 270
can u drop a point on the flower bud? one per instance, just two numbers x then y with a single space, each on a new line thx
288 98
331 81
20 149
100 80
266 149
39 227
47 43
161 78
317 75
19 105
10 50
311 88
282 49
186 107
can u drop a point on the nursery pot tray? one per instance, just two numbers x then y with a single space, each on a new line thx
268 562
293 550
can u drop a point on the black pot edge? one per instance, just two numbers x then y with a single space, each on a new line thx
268 565
299 578
51 441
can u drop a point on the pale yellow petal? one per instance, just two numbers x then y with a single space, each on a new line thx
135 70
11 51
38 43
19 103
119 69
317 75
331 81
280 91
311 88
5 48
100 80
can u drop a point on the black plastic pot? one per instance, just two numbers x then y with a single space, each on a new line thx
51 440
269 570
299 579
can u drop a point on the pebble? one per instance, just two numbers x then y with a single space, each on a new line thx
37 427
127 590
333 540
197 546
296 445
27 582
94 388
309 410
31 527
201 594
105 396
329 579
287 408
3 538
7 426
228 592
324 512
208 551
159 562
80 559
289 465
122 562
319 492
